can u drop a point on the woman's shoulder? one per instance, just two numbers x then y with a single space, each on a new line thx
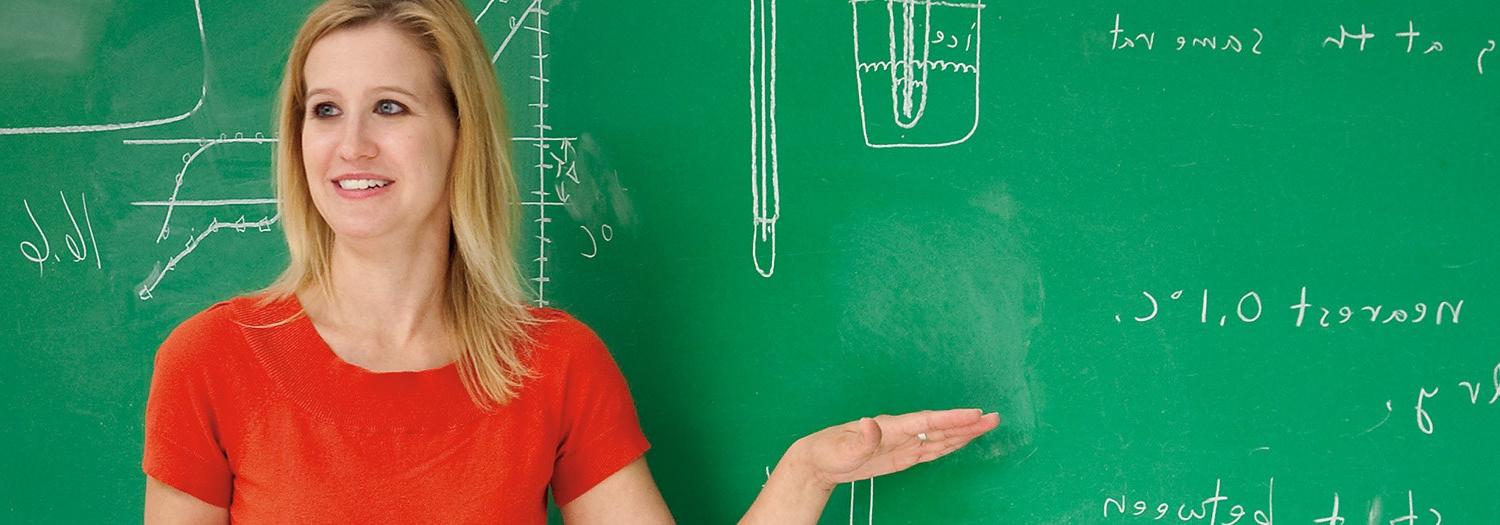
214 333
555 325
198 335
562 340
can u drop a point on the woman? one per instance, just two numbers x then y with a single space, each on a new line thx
393 372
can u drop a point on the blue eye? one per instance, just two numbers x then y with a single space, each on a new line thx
325 110
389 107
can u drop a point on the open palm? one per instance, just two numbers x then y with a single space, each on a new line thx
884 444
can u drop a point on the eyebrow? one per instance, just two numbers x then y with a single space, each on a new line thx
318 91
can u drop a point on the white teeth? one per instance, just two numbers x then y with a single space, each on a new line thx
362 184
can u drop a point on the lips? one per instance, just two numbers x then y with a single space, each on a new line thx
361 185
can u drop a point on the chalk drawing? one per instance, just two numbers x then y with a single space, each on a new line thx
871 518
145 290
918 85
555 154
545 143
765 188
187 161
486 9
516 24
116 126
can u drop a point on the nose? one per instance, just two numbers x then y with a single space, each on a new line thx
356 141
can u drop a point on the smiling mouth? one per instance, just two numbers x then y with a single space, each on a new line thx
362 184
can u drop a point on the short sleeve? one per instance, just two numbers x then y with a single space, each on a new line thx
183 447
600 431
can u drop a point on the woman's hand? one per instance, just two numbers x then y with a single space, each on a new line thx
799 487
884 444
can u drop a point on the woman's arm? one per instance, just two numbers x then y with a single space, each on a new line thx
168 506
628 496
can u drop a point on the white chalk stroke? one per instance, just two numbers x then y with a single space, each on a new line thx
145 291
871 517
187 161
516 24
159 272
556 156
116 126
765 188
916 66
75 242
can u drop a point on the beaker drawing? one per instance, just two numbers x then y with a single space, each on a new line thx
916 68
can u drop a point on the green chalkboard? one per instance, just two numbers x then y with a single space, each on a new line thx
1206 257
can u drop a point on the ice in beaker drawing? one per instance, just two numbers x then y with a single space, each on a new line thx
917 71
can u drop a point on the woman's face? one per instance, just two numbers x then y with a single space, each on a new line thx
377 136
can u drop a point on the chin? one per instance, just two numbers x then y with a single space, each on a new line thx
357 230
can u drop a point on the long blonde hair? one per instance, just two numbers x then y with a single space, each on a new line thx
484 297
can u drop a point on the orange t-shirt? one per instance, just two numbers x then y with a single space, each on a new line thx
271 424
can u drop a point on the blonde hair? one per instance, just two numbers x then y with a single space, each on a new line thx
484 297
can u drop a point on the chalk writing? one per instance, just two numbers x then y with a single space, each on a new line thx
1219 509
1249 307
1356 42
1120 39
1481 392
1411 34
80 249
1480 61
1364 36
1208 508
1399 315
605 231
1410 518
1344 35
1348 38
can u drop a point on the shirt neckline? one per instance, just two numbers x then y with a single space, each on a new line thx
305 322
306 370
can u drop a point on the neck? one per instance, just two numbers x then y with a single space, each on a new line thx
389 297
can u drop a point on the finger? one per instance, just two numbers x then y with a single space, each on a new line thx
985 423
946 443
951 419
940 440
869 434
957 418
927 420
859 439
937 426
942 450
